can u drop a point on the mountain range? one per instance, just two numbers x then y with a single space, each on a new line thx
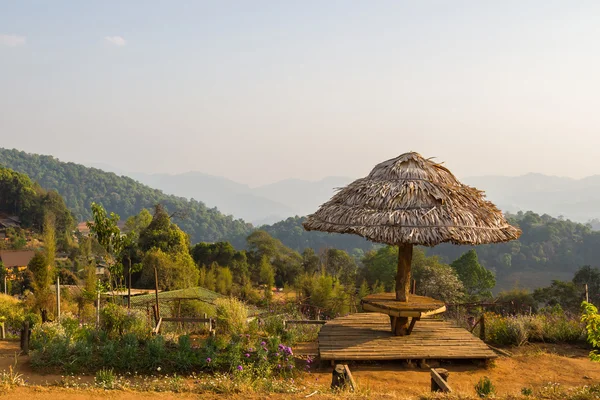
575 199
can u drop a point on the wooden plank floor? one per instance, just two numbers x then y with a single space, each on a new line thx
368 336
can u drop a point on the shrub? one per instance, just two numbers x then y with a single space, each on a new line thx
520 329
484 387
591 318
12 313
232 315
105 379
117 321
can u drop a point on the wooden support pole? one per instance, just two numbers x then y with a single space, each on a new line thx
157 311
400 324
2 331
98 307
25 338
129 284
58 298
413 321
482 327
439 380
587 295
350 378
414 287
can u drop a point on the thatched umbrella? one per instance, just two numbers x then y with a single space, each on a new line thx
410 200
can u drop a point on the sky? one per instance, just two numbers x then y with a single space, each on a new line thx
260 91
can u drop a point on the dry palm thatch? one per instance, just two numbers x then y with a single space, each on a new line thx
410 200
413 200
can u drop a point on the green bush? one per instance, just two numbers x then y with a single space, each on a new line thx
232 316
12 313
117 321
485 388
544 327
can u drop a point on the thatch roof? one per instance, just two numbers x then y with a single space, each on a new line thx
410 199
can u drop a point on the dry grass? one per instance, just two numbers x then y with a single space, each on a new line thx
413 200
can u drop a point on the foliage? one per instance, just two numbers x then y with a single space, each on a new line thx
515 301
81 349
267 277
287 262
591 319
232 315
563 294
11 378
175 271
117 321
12 312
550 326
323 292
477 280
381 266
548 246
439 281
25 199
105 230
485 388
590 276
105 378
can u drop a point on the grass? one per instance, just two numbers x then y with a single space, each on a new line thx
11 378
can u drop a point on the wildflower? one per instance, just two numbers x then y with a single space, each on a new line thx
263 344
158 369
240 368
208 360
247 355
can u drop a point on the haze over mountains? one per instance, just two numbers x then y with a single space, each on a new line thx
575 199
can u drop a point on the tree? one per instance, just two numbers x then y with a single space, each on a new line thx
381 266
287 263
589 276
559 293
310 261
104 228
267 277
49 237
175 271
341 266
477 280
440 282
42 279
163 234
224 280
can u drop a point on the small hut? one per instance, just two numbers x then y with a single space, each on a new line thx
407 201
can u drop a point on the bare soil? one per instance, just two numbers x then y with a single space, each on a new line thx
532 366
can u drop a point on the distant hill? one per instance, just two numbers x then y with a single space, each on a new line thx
228 196
261 205
575 199
80 186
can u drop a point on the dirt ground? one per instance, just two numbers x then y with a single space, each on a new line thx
532 366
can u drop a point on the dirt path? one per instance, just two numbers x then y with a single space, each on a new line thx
532 366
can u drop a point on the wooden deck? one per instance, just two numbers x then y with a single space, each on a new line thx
367 336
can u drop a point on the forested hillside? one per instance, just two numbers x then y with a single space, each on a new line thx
80 186
21 197
549 248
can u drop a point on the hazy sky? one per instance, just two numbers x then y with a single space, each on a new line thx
259 91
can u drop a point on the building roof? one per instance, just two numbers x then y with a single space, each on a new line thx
16 258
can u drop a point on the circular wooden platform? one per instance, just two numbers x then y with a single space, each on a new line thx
415 307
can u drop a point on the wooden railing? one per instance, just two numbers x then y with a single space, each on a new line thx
212 323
